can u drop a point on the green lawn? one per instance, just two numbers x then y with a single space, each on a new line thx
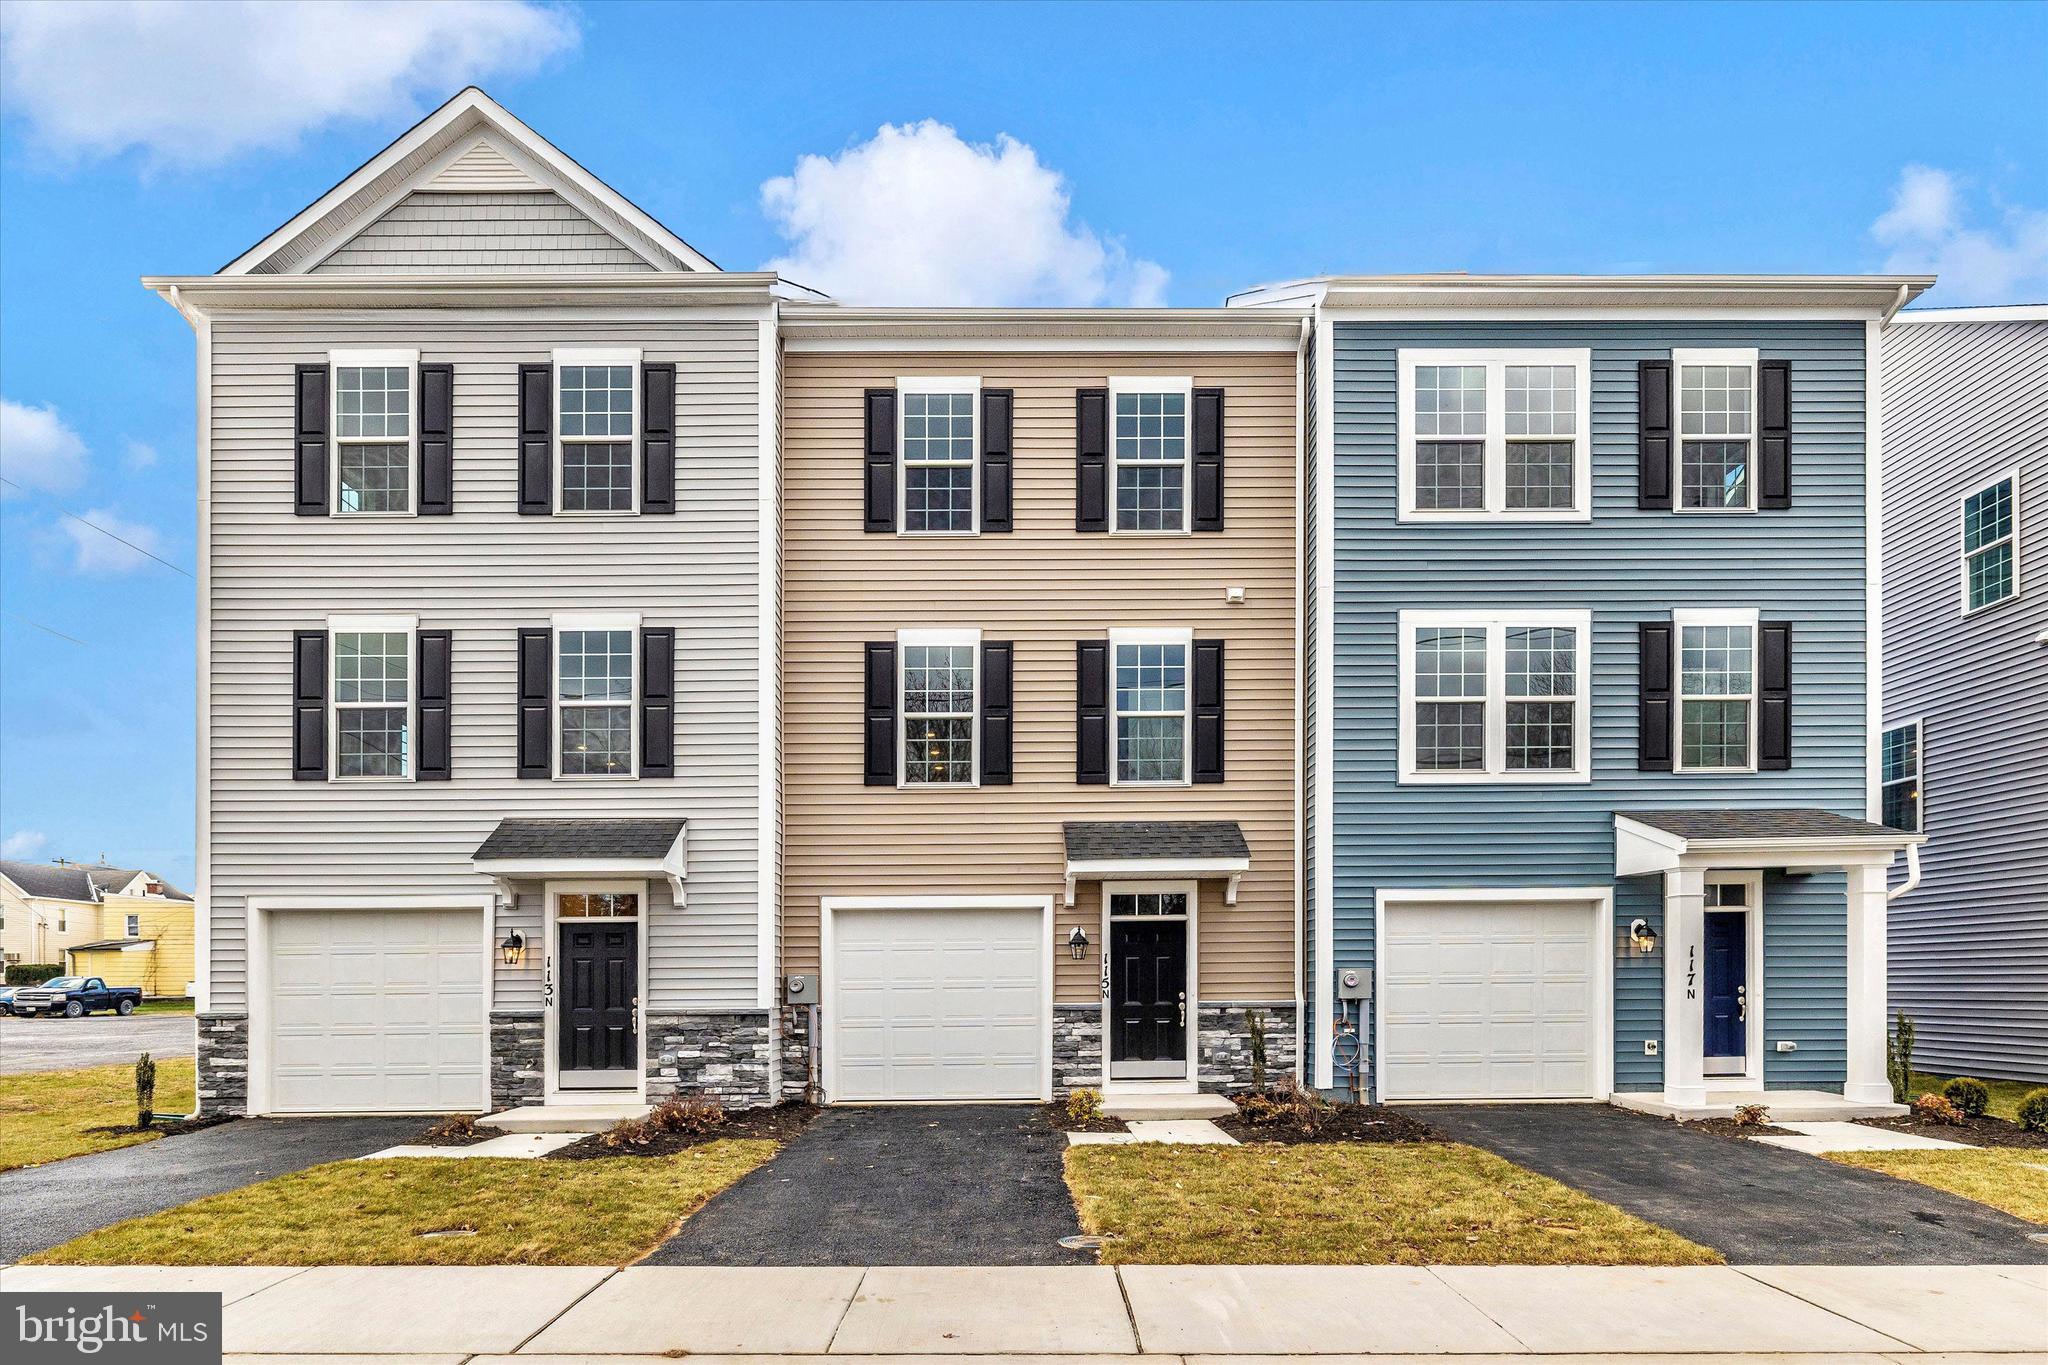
2005 1095
1349 1204
173 1005
432 1211
2014 1179
44 1114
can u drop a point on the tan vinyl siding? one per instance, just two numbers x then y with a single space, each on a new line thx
1043 586
481 233
483 573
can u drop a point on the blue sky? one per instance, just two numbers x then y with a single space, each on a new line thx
1155 153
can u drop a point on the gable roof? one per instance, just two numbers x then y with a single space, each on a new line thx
76 882
471 138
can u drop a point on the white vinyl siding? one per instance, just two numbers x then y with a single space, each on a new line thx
482 232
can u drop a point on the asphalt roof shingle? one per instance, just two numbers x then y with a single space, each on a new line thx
1090 842
75 881
525 839
1798 823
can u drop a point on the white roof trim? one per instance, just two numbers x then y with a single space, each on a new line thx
1117 869
2006 312
1838 294
1641 849
669 865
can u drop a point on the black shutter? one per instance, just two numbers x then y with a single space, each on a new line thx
1091 713
658 439
436 649
309 427
536 719
878 446
536 443
996 460
1208 462
1208 716
1653 435
1774 696
309 706
1654 697
997 662
1774 435
437 440
657 703
1091 462
878 768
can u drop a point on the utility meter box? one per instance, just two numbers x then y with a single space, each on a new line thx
1354 983
800 990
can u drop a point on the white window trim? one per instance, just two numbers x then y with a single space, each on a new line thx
409 626
1496 624
553 998
948 383
1694 617
1918 777
409 361
629 355
2012 536
628 621
1186 639
1717 356
1183 385
132 926
1496 361
972 639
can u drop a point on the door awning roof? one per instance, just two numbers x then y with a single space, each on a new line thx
586 848
1647 841
1114 850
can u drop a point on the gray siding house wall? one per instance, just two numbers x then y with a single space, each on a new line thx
1965 402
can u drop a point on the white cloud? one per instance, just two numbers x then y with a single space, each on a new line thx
1931 229
96 553
23 843
192 82
37 450
138 455
917 215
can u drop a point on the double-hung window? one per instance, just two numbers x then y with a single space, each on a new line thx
1148 452
1150 690
1494 696
597 405
1991 547
374 450
1495 434
1899 776
940 681
1716 452
133 927
938 444
597 687
372 687
1716 690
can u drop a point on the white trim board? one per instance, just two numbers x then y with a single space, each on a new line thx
1189 1081
552 1090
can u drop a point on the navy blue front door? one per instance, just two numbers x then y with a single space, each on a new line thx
1727 1027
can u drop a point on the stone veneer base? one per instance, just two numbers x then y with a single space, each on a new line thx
518 1059
222 1060
727 1054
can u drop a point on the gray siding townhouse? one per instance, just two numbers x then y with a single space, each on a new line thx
1965 748
486 661
1591 690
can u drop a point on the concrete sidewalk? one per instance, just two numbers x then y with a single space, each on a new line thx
452 1314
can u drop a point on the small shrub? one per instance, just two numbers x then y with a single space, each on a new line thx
1291 1107
693 1114
145 1089
1255 1024
1898 1058
2033 1112
628 1133
1084 1105
1752 1115
32 973
1969 1095
454 1127
1935 1109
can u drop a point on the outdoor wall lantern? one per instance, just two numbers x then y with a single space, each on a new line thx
1643 936
514 949
1077 943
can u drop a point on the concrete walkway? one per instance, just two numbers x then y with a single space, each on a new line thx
531 1314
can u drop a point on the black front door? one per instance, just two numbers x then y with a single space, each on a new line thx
598 1043
1148 1000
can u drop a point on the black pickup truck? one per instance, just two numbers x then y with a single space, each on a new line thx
72 996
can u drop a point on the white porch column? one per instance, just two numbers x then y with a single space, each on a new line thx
1866 1081
1685 931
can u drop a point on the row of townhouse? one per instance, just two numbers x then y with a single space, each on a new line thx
620 676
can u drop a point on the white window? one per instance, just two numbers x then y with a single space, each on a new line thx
134 926
373 432
939 686
370 662
1716 452
1149 675
1991 546
1494 696
1495 434
937 427
1899 776
597 420
597 687
1148 453
1716 691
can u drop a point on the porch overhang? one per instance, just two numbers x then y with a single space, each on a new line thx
1135 850
526 850
1649 842
114 945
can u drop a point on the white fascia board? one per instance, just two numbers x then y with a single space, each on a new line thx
1133 869
1570 295
2009 312
1640 849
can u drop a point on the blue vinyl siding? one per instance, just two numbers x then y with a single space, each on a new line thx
1805 565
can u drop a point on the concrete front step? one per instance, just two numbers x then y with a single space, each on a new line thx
1786 1106
584 1117
1166 1107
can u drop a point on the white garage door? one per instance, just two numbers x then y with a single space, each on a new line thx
1488 1001
376 1011
937 1004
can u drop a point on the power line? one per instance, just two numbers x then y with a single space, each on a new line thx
47 629
109 534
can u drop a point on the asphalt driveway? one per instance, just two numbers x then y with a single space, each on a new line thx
978 1184
41 1206
1755 1204
96 1040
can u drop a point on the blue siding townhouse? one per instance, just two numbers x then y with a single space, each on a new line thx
1590 685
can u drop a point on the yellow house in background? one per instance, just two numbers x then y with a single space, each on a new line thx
144 941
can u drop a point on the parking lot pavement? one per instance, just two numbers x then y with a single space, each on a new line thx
95 1040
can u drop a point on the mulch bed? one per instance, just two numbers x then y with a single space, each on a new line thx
1333 1123
434 1137
1056 1115
168 1127
1977 1132
777 1123
1729 1128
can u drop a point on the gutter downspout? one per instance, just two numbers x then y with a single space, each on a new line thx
1898 302
1912 874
